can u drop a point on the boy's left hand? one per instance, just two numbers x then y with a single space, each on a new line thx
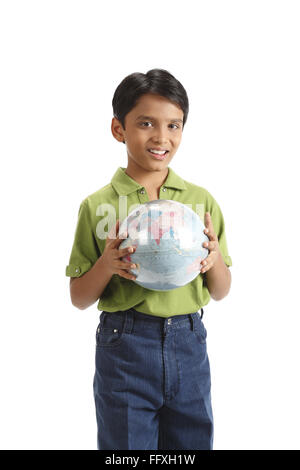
212 245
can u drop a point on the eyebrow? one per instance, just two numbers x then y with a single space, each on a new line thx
142 116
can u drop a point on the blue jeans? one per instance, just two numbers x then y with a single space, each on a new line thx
152 382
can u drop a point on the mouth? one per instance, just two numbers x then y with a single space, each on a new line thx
161 155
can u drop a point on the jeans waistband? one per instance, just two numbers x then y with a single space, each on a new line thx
132 316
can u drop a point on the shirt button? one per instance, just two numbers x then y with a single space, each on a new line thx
164 189
77 270
142 191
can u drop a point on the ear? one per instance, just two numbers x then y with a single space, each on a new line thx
116 130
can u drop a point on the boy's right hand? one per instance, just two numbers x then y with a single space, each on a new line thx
111 257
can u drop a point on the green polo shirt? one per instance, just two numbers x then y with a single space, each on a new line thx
120 293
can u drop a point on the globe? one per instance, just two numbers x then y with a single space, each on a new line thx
168 238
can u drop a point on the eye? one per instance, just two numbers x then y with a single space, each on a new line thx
148 122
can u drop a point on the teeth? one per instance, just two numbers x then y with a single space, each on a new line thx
160 152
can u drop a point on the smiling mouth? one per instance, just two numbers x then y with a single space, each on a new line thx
158 156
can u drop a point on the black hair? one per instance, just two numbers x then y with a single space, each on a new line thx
157 81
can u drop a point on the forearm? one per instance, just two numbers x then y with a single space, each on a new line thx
87 289
218 279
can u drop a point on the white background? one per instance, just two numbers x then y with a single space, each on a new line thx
61 62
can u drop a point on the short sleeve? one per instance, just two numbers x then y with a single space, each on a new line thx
85 250
219 227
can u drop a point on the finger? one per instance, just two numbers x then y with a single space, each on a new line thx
206 268
205 265
127 265
112 234
123 230
120 238
125 251
208 262
209 228
208 259
208 222
117 242
126 275
211 245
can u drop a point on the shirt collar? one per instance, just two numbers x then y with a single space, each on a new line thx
125 185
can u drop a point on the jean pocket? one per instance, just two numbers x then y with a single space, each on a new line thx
110 334
201 332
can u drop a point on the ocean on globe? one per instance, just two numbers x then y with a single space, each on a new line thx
168 237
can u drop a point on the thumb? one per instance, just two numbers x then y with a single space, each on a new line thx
112 234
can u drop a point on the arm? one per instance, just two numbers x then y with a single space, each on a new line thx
218 279
87 289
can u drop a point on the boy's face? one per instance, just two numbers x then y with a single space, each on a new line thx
160 128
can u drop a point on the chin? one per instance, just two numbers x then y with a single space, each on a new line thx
159 166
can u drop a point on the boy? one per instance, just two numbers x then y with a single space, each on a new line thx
152 378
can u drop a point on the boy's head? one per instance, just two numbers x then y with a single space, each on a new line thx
150 111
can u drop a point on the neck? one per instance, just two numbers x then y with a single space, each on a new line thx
151 180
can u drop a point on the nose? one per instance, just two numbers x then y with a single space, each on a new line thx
159 136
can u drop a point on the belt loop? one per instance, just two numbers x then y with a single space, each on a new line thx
191 316
128 325
102 318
